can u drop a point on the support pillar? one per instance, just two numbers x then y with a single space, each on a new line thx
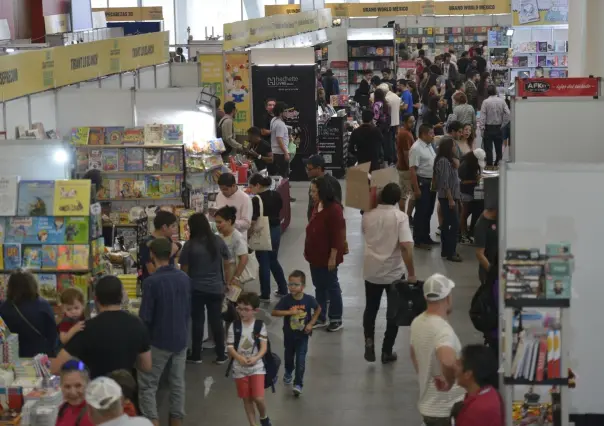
585 37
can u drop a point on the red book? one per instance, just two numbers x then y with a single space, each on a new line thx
541 359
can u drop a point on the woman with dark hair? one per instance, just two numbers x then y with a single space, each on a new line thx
430 89
204 258
447 187
324 251
361 95
431 113
381 117
469 172
483 84
267 202
30 316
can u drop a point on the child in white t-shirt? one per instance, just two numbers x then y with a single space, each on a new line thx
247 349
225 223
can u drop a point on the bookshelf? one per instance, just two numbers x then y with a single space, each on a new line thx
369 55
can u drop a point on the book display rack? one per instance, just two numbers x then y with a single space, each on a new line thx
368 55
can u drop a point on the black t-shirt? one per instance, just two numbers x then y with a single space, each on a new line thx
466 172
272 204
267 121
110 341
486 237
263 148
365 142
481 64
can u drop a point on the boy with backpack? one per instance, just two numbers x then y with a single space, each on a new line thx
248 346
298 322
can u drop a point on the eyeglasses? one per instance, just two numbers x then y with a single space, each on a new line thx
73 365
295 284
240 309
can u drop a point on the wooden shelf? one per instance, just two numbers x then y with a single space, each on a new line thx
127 146
545 382
106 200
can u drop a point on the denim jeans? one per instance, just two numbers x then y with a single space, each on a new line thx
213 302
148 382
327 287
269 262
296 347
424 207
449 228
373 297
493 136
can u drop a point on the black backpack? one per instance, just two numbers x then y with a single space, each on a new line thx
272 362
228 147
483 309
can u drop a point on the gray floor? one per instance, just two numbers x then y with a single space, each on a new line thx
340 387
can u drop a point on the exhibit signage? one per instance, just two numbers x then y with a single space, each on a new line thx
120 14
212 72
558 87
237 89
553 12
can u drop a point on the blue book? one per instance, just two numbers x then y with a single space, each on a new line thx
36 198
50 254
21 230
12 256
50 230
32 257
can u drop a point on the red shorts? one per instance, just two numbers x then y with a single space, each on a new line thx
250 386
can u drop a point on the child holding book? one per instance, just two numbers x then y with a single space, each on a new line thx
72 304
300 313
225 218
247 349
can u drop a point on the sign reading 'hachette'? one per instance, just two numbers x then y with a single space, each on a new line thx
558 87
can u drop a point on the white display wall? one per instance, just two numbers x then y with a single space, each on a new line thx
185 74
34 159
17 114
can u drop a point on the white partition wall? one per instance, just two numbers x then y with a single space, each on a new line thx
111 82
128 81
146 78
284 56
33 159
162 76
43 110
17 114
185 74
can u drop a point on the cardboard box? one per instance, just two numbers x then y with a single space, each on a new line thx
362 189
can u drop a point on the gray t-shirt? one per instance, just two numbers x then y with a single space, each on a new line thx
206 273
278 129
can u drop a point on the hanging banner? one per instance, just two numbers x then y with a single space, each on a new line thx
477 7
382 9
558 87
282 9
212 73
120 14
296 86
533 12
237 89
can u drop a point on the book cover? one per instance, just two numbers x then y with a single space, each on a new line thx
96 136
173 134
77 230
50 230
121 160
50 255
110 159
541 359
64 281
82 160
8 195
126 187
83 283
134 159
522 61
1 260
516 61
79 135
178 185
139 189
63 257
12 256
167 186
153 134
80 254
152 158
36 198
542 46
95 159
171 160
115 190
21 230
114 135
72 197
47 283
96 220
133 136
3 222
541 60
32 257
152 185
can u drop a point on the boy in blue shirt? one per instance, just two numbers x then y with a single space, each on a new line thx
300 312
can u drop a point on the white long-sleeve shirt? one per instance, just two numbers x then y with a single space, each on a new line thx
243 203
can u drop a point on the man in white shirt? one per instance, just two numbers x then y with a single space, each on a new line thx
435 350
231 195
494 114
279 142
394 106
388 256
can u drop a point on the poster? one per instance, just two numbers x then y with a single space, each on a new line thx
237 89
296 86
212 73
540 12
564 87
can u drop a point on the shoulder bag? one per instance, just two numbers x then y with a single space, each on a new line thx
260 233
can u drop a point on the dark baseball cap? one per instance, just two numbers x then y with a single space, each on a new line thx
315 161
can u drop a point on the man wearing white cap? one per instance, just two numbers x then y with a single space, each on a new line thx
435 349
105 404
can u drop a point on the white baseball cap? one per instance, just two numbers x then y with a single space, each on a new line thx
481 155
102 392
437 287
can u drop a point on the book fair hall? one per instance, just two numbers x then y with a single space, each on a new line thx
293 212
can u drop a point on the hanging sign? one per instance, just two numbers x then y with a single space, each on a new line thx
476 7
558 87
532 12
120 14
282 9
212 72
237 89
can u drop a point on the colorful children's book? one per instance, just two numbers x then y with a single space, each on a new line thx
114 135
171 160
173 134
8 195
96 136
47 284
121 160
72 197
95 159
153 134
110 160
63 257
1 259
64 281
134 159
50 255
79 135
82 159
32 257
80 255
2 229
139 189
152 157
77 230
83 283
167 186
50 230
21 230
36 198
152 184
126 188
12 256
96 220
134 136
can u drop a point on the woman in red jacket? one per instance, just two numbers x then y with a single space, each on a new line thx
74 380
324 251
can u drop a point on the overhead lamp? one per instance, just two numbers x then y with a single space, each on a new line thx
509 32
206 100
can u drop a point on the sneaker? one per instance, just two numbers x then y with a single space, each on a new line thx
465 240
221 360
455 258
369 351
297 390
335 326
208 344
388 358
287 379
279 294
265 422
194 360
320 324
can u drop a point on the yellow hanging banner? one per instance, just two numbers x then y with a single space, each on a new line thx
553 13
120 14
237 89
281 9
381 9
476 7
212 73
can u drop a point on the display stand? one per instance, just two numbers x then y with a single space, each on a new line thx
332 145
532 216
369 50
540 51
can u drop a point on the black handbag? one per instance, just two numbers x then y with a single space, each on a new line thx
405 302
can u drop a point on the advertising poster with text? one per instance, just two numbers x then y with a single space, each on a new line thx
237 89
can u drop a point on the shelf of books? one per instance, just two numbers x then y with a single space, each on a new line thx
539 59
340 72
440 39
49 228
369 55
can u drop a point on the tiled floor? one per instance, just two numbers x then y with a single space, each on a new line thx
340 387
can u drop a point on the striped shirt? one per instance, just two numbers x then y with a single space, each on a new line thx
446 178
428 333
